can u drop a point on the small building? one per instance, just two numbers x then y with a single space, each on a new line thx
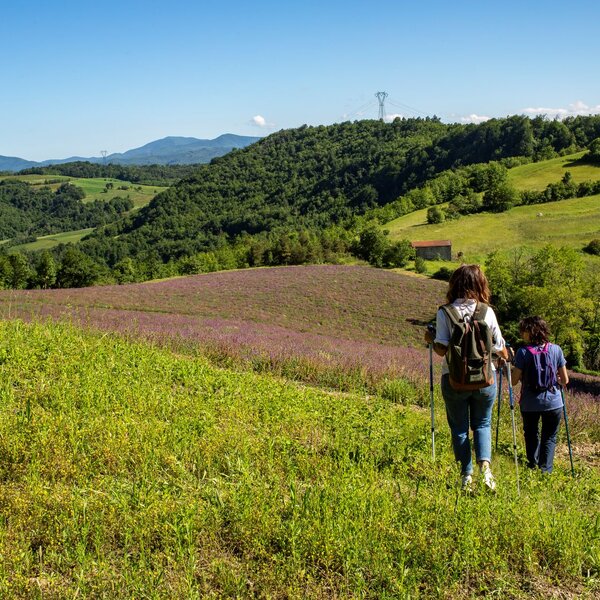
433 250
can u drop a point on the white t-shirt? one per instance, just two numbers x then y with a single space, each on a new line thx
443 326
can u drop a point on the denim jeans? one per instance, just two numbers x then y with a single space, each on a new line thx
474 409
540 450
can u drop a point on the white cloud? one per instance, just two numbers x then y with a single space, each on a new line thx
574 109
390 118
473 118
260 121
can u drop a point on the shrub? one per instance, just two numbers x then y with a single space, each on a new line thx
443 274
593 247
420 265
435 215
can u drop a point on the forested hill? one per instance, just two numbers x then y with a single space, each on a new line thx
313 177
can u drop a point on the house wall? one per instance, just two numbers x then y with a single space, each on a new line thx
435 253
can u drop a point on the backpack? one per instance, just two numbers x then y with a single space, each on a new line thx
469 354
539 373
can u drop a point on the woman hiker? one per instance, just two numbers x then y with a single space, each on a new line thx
468 297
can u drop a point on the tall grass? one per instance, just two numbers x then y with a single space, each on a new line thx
129 472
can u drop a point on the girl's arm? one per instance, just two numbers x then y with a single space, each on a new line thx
438 348
563 376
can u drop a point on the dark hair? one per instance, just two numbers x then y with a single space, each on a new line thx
468 281
537 329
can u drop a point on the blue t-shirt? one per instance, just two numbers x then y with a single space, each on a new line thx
532 401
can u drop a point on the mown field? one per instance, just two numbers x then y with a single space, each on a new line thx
131 472
571 223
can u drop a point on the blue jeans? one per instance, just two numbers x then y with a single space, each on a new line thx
472 408
540 450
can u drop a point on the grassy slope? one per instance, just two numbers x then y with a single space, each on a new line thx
130 472
536 176
48 241
94 187
568 222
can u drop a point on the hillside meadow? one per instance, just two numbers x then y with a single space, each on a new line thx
45 242
131 472
536 176
572 223
94 188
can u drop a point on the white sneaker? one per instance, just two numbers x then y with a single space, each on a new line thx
466 483
488 478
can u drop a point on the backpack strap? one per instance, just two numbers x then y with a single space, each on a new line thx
452 313
478 314
480 311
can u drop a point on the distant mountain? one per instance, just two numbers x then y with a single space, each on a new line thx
171 150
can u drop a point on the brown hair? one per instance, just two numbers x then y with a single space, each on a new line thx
469 282
537 329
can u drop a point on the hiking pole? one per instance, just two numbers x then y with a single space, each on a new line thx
562 393
499 401
431 330
514 430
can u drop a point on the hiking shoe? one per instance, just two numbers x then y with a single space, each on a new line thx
466 483
488 479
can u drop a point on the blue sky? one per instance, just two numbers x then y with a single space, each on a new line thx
81 77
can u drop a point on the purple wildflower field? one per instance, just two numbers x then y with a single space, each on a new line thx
340 319
350 327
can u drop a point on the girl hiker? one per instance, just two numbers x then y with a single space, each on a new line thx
469 396
541 368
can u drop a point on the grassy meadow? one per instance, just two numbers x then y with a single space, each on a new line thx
572 222
48 241
536 176
131 472
94 188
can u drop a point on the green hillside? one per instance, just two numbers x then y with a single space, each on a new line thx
128 471
571 222
318 177
536 176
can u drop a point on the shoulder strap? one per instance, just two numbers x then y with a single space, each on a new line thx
452 313
480 311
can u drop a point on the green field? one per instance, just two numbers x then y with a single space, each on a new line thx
571 223
94 188
49 241
131 472
536 176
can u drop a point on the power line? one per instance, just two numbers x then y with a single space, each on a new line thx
407 107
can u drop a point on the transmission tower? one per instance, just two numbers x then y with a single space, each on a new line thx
381 96
104 153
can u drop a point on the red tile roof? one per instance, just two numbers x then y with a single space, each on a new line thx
431 244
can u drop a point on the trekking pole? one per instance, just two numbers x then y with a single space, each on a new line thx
562 393
499 401
514 430
431 330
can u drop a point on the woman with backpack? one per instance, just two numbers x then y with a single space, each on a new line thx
467 334
541 368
